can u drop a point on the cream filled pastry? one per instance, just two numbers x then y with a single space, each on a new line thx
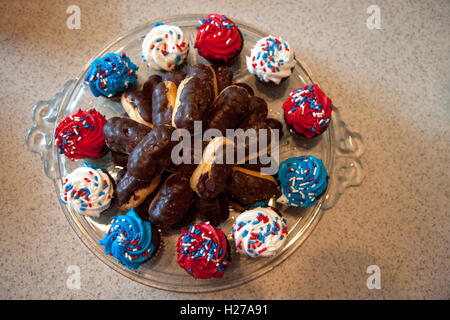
259 232
87 190
165 47
271 59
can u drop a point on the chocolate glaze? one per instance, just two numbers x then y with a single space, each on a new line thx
194 101
150 84
172 201
152 155
176 76
123 134
257 111
224 77
205 73
211 185
215 210
248 189
246 87
161 112
229 108
143 103
252 138
119 159
127 185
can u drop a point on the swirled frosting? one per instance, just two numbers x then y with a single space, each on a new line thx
259 232
87 191
80 135
303 180
111 74
203 251
308 111
165 47
271 59
129 240
218 38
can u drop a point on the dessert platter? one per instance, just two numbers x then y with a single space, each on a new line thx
108 142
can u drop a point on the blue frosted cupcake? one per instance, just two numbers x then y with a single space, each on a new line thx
131 240
303 181
111 75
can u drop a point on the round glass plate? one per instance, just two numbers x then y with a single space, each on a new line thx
339 148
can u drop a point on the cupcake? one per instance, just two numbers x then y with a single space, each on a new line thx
307 111
259 232
111 75
218 39
303 180
87 190
271 60
165 47
80 135
131 240
203 251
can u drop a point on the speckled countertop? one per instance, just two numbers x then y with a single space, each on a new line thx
392 86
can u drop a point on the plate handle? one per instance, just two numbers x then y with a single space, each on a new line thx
347 169
39 137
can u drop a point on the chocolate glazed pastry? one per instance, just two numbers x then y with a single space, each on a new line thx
122 135
176 76
248 187
152 155
248 145
206 73
191 104
172 201
138 103
131 192
229 108
163 101
224 77
257 111
215 210
210 177
150 84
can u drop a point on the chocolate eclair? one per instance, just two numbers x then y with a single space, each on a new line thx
205 73
152 155
122 135
246 86
189 153
193 97
163 101
275 124
248 186
229 108
224 77
210 177
214 210
138 103
176 76
172 201
131 192
150 84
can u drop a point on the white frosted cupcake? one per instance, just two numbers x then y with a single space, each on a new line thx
87 191
259 232
165 47
271 60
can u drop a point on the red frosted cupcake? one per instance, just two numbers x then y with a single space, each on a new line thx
80 135
203 251
307 111
218 39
